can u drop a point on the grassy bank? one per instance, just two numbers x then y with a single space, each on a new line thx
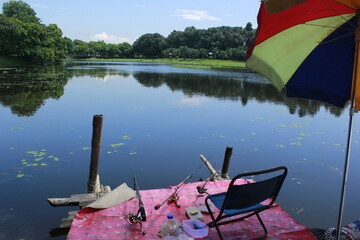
182 62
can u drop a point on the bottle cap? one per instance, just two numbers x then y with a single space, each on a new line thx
170 216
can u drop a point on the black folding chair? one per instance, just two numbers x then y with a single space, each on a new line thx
246 199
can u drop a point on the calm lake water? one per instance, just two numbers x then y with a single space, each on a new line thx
157 121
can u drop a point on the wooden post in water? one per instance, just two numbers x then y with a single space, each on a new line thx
225 167
95 153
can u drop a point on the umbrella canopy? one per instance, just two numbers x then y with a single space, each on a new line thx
310 49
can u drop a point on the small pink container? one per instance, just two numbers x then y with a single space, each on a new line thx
195 228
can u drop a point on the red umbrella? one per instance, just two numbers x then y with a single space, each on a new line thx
310 49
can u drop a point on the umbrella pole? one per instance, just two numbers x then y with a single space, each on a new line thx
345 175
349 139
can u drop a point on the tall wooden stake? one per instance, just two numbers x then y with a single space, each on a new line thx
95 152
225 167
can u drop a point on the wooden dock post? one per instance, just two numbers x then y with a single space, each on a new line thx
225 167
95 153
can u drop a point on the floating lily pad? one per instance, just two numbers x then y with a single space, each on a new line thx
133 153
337 144
16 129
296 143
85 148
117 144
280 146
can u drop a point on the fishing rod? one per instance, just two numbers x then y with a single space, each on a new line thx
173 196
141 212
136 218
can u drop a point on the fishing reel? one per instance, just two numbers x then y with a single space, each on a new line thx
201 189
134 219
174 198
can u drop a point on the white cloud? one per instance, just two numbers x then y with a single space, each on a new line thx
110 38
197 15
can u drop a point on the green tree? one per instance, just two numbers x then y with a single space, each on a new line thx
54 42
113 51
126 50
69 46
24 36
20 10
9 36
32 35
150 45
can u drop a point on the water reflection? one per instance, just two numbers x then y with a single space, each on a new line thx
25 90
222 87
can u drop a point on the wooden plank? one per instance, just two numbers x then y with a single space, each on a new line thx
75 199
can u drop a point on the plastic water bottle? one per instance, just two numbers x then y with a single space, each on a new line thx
170 227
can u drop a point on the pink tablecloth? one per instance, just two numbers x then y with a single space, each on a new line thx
110 223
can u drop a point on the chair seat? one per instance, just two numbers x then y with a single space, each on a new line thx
218 200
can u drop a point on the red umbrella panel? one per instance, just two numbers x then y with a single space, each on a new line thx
308 50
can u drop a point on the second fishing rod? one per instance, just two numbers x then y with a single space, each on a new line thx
173 196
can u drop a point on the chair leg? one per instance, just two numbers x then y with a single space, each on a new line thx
213 222
263 226
218 231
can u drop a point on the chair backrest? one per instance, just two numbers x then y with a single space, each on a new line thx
246 195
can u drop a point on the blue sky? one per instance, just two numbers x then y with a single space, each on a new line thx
116 21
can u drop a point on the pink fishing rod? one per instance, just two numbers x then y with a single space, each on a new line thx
173 196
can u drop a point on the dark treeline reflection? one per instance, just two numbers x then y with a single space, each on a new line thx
25 90
234 89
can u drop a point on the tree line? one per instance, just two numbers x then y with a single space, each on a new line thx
228 43
23 35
